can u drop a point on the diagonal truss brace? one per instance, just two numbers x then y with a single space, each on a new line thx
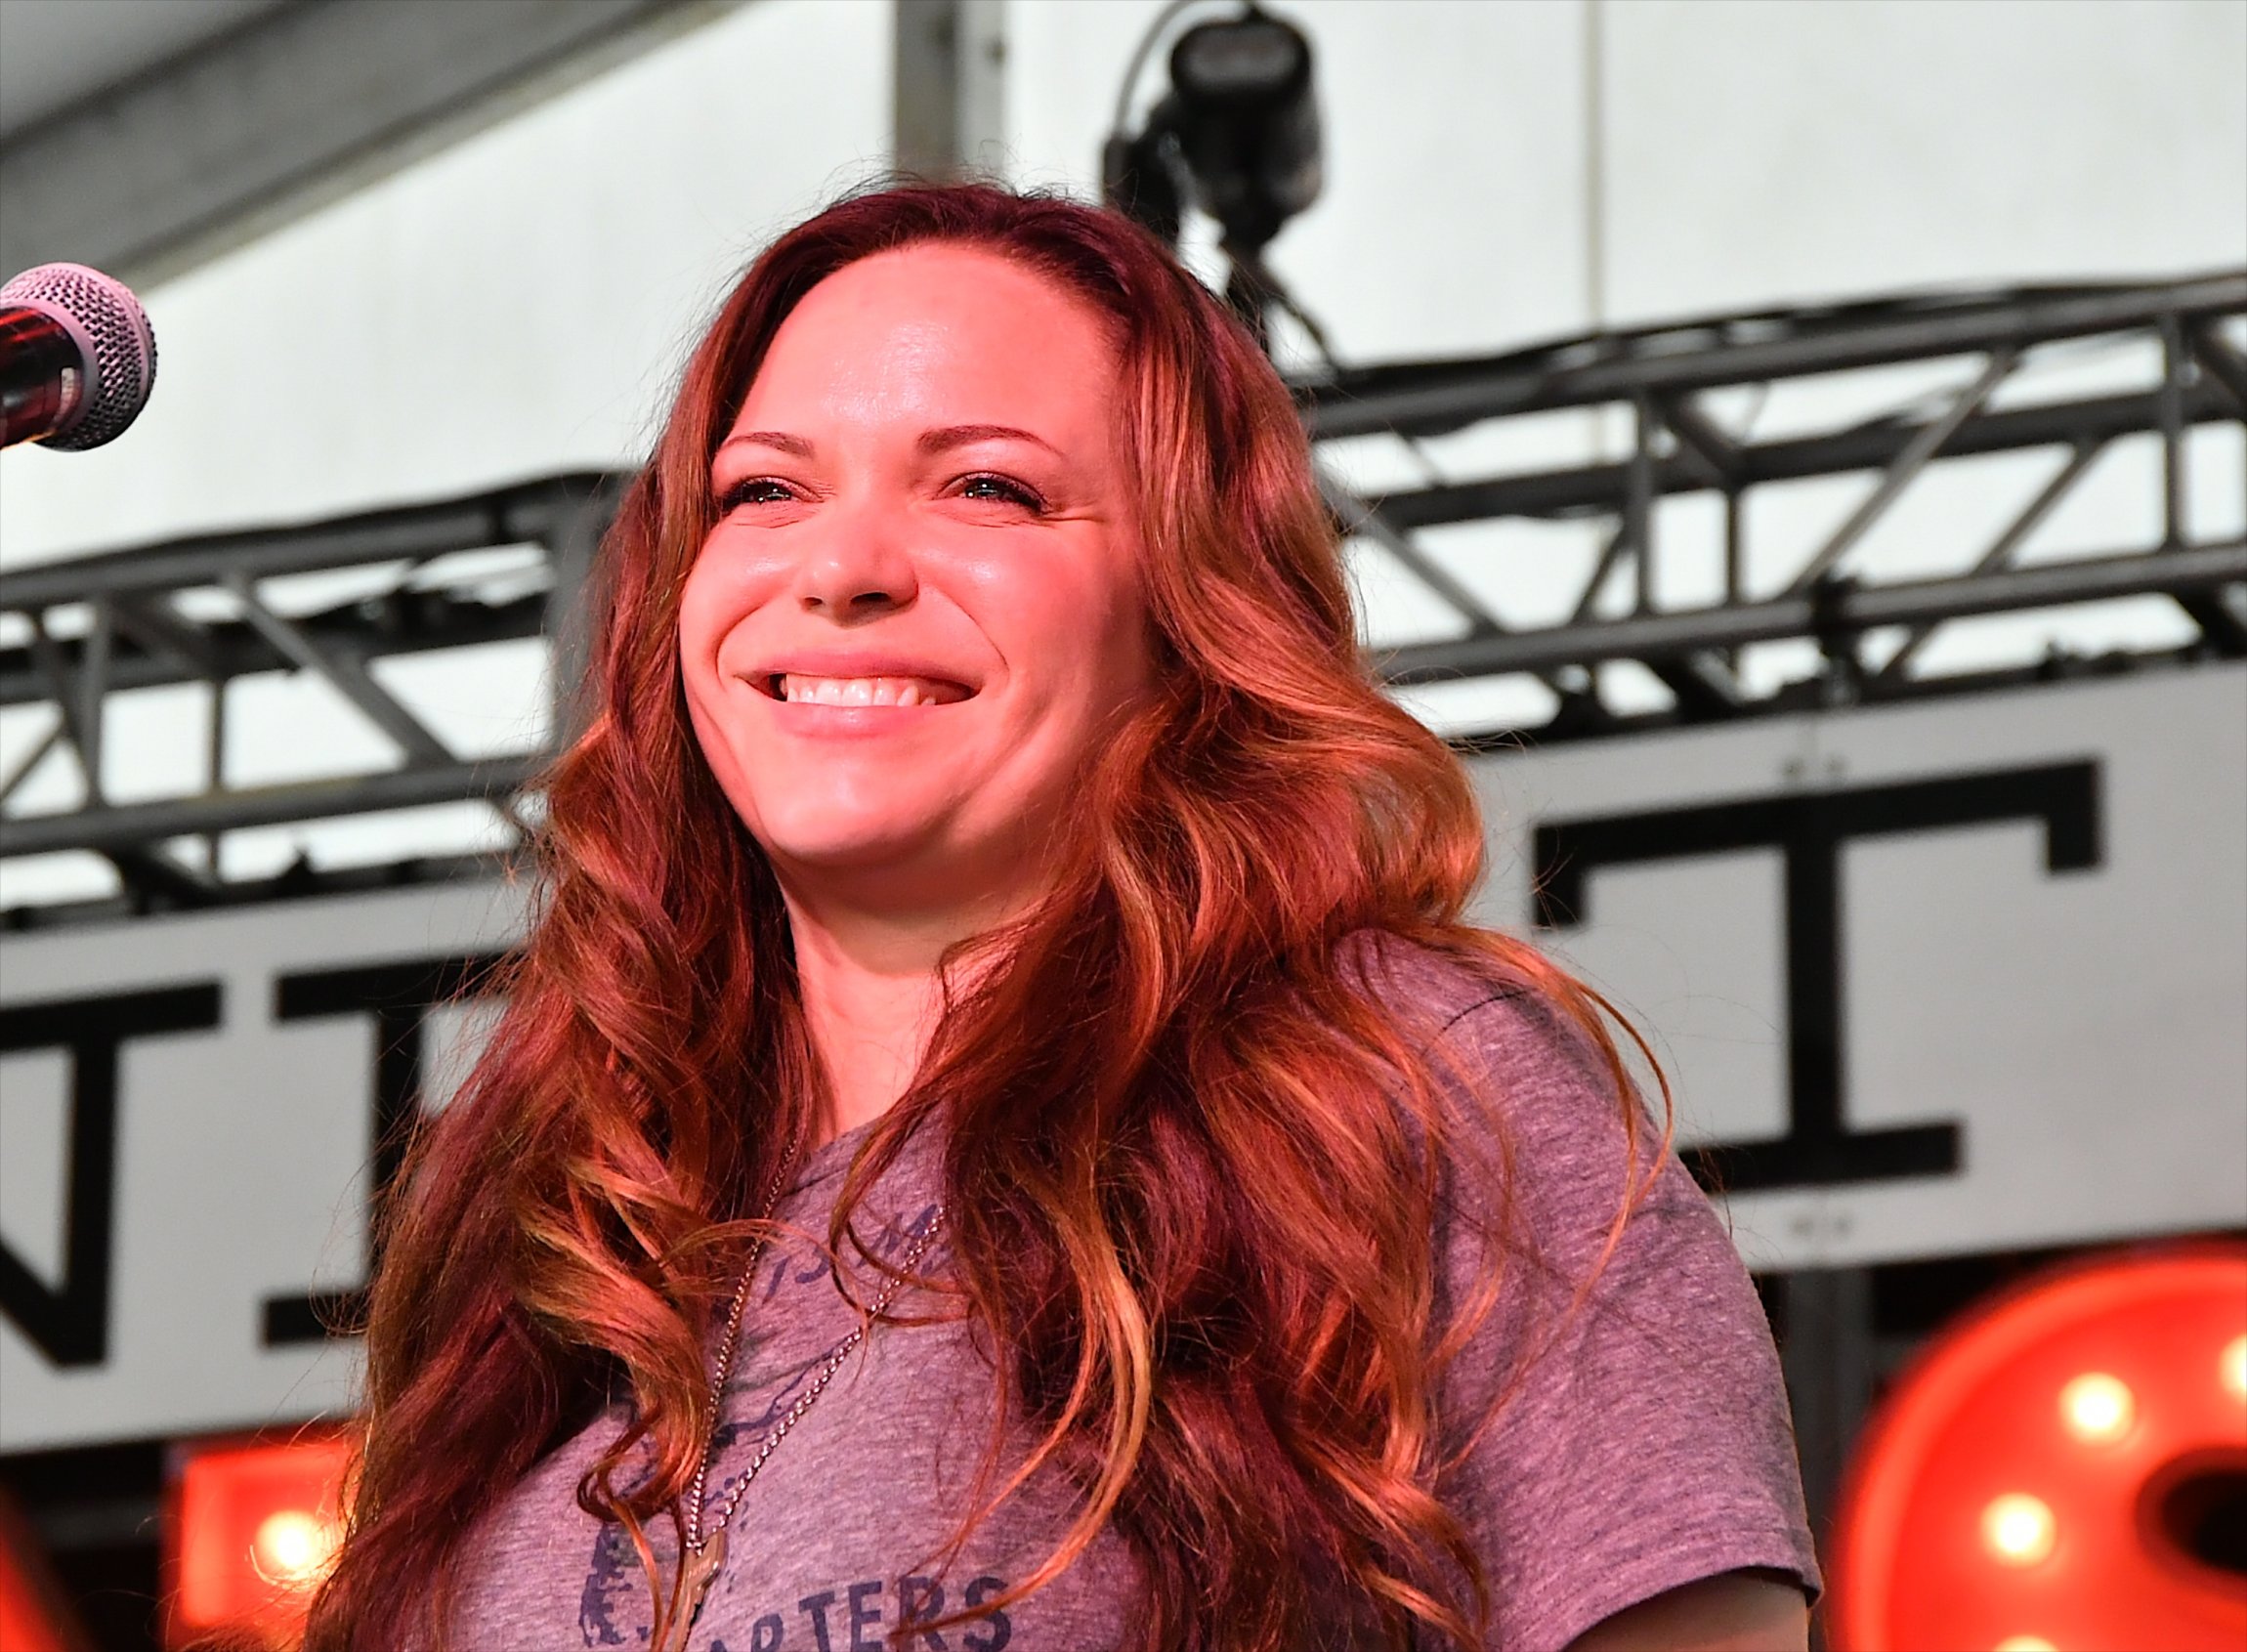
1357 517
2001 551
1923 446
350 677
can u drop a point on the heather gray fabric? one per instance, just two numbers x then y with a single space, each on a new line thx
1645 1448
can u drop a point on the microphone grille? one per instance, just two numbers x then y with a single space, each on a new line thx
119 344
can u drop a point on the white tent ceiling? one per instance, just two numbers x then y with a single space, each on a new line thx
55 52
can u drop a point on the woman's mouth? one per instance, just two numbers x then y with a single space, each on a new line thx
799 688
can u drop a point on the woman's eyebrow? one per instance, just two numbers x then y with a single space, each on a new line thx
948 436
940 440
780 440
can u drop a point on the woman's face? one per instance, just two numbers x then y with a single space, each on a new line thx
920 607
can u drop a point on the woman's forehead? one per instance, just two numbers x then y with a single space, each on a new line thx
939 331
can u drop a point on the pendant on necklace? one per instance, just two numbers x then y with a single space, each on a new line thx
698 1569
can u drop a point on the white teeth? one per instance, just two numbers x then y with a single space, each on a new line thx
863 691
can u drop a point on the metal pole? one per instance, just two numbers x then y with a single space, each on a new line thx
94 693
123 826
1734 558
1827 1358
2172 367
949 105
2195 569
570 549
1674 362
1594 165
215 766
1638 500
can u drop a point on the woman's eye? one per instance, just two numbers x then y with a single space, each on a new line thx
1005 487
766 491
757 490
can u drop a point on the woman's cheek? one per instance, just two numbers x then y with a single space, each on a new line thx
696 639
710 607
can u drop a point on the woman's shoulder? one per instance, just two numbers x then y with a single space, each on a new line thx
1535 1120
1478 1009
1422 984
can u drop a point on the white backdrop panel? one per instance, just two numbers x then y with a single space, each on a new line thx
241 1159
2087 1030
2081 1028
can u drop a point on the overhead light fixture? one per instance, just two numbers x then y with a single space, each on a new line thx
1237 134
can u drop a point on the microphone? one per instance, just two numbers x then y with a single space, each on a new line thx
77 358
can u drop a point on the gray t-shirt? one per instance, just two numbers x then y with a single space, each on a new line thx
1646 1447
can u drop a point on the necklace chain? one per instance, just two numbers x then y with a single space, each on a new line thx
696 1538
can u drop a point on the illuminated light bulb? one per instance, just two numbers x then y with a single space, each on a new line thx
2098 1408
2025 1643
2234 1366
2018 1528
293 1548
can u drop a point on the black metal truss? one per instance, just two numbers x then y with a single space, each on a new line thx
1662 377
132 631
87 629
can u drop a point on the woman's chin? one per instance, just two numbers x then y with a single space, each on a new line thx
884 854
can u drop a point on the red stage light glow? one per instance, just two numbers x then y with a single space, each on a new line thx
33 1615
253 1530
2053 1470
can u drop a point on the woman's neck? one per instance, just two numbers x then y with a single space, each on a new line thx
868 1028
871 1000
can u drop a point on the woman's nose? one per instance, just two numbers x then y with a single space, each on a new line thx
861 565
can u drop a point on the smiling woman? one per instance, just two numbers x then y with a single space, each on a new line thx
911 624
1001 1134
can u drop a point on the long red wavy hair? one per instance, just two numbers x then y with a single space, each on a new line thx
1192 1163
